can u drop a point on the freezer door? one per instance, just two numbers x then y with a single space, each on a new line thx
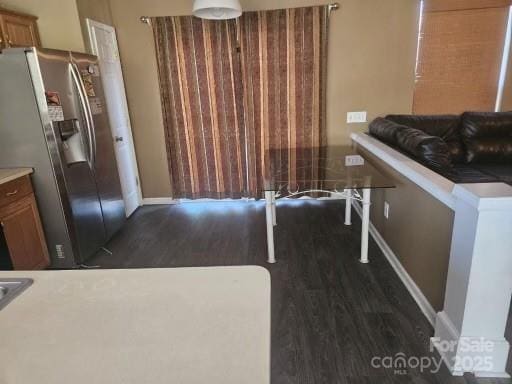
75 148
105 166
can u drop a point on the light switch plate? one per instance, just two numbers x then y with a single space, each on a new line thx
353 160
356 117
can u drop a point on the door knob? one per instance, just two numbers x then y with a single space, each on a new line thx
118 138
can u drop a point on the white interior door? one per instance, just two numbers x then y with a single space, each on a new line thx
103 44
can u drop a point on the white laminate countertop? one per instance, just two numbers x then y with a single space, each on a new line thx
9 174
165 326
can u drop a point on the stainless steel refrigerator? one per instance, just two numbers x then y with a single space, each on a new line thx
53 118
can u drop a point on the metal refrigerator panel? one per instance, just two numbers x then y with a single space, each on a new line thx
107 177
79 178
27 140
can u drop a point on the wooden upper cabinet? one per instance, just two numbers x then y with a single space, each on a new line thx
18 30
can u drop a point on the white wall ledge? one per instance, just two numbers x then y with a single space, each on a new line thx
483 196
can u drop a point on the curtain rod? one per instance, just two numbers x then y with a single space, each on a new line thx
331 7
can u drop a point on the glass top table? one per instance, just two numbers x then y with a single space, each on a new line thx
329 169
338 172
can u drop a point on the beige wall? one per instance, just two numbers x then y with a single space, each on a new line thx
137 52
98 10
371 67
418 230
57 21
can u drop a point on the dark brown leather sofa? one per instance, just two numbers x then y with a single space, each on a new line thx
475 147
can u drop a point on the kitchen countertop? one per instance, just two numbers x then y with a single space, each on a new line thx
9 174
180 325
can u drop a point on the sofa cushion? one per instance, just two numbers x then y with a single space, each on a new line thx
488 136
385 130
466 173
486 124
489 150
502 172
447 127
430 150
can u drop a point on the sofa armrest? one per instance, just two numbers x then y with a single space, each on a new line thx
438 186
431 150
385 130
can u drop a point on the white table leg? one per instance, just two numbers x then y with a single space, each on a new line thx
365 227
269 217
274 206
348 207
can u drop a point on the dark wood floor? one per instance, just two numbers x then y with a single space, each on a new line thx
330 314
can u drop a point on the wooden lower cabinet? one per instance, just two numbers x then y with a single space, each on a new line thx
23 232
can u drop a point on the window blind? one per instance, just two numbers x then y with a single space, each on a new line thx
460 53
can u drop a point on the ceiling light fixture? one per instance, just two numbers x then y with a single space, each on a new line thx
217 9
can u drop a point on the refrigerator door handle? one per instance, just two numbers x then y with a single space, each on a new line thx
87 112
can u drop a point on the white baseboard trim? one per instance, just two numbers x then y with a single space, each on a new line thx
159 201
407 280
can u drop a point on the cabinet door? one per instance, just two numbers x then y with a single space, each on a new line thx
24 235
19 31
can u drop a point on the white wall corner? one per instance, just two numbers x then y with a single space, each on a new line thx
479 286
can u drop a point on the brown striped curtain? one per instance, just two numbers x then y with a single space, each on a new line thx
224 109
201 89
284 69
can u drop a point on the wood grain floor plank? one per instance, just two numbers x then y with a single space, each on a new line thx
330 314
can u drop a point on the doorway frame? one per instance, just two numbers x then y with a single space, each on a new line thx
90 23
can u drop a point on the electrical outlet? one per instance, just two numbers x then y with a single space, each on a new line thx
356 117
386 210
